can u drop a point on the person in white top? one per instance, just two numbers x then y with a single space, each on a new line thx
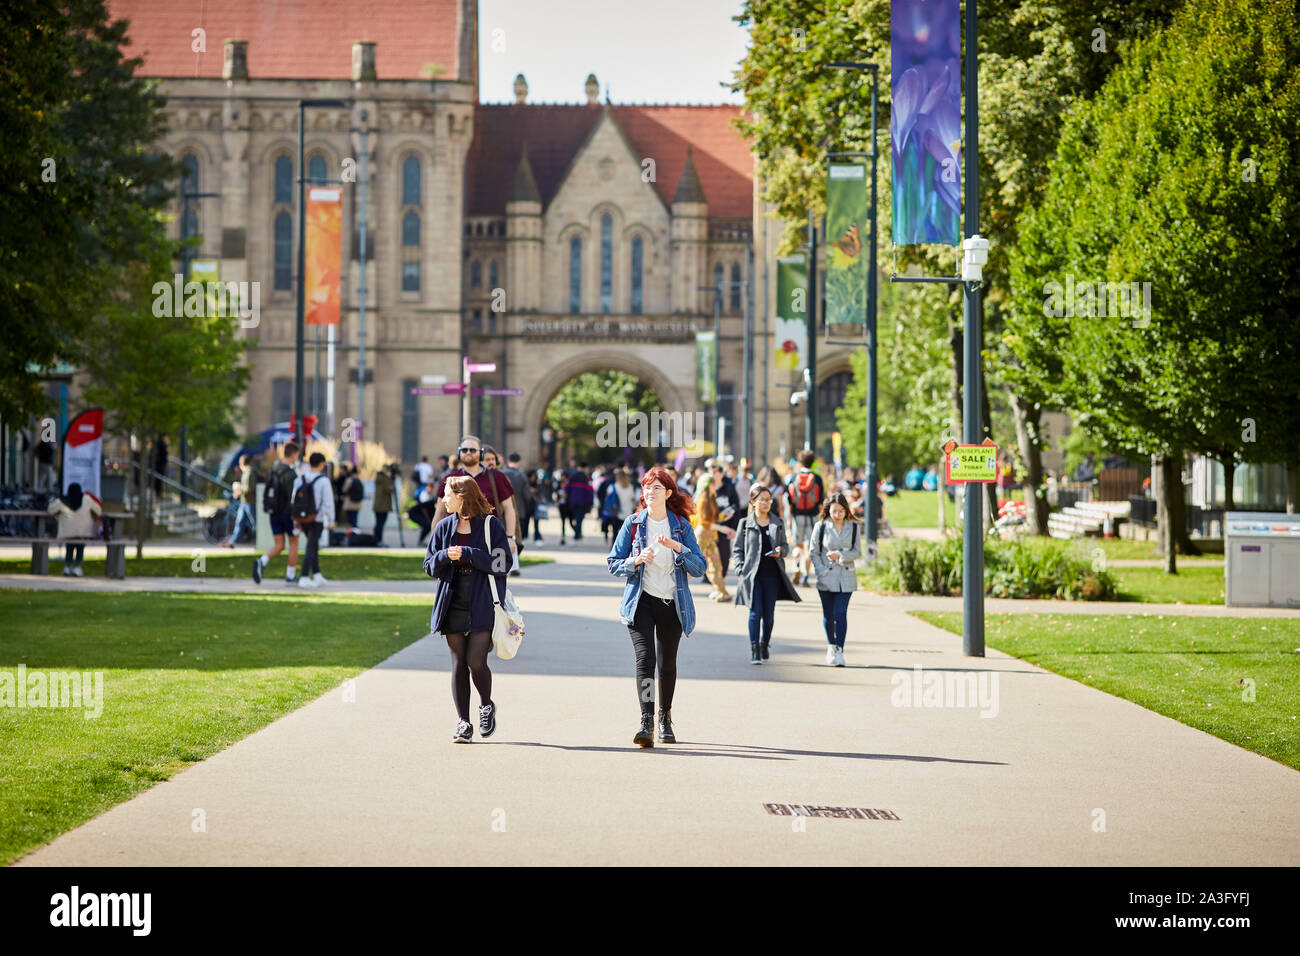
321 521
76 513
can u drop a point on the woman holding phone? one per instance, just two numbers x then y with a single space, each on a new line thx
835 546
760 566
657 553
467 550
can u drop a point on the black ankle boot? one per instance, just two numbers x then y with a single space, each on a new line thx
755 655
666 734
645 737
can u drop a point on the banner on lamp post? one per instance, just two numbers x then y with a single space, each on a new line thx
324 254
706 353
846 255
925 120
791 313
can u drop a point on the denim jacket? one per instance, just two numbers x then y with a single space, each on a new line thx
690 563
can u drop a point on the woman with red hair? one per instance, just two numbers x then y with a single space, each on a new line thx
657 552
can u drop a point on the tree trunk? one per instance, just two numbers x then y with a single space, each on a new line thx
991 491
139 502
1028 418
955 339
1229 470
1170 475
1292 487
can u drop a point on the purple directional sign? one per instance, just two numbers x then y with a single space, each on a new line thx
498 391
453 388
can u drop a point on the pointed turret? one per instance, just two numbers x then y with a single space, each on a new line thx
524 187
688 187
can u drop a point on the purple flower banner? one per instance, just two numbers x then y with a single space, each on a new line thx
925 121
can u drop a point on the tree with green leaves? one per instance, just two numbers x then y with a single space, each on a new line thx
1037 59
1177 178
575 413
75 174
154 368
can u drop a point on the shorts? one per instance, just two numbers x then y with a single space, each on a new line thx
803 525
282 524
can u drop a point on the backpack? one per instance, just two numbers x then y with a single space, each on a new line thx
806 494
304 501
279 485
356 490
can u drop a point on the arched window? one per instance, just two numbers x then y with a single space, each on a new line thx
606 263
411 181
735 287
717 279
284 180
476 275
316 168
494 277
575 274
283 251
638 261
411 229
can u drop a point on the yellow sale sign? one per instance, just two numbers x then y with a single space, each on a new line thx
970 463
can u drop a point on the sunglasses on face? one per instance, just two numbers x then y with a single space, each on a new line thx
467 451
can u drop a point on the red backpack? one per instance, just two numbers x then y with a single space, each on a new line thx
806 493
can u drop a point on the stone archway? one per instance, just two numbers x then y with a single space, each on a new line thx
527 428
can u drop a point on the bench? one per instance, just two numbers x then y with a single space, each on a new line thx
115 565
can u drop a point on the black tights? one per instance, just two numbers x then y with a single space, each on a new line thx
469 657
655 622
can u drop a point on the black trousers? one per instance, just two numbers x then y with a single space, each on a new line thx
724 552
311 560
655 623
381 519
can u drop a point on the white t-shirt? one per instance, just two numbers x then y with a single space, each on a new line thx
658 579
626 499
424 472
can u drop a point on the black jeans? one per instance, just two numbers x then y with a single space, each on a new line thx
74 553
381 519
655 622
424 518
724 552
311 560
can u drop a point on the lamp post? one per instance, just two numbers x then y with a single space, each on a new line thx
303 105
873 477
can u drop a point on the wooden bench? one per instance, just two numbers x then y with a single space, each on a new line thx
114 566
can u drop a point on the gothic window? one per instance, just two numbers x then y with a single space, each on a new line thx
638 261
411 229
735 287
316 169
283 251
494 277
189 184
717 281
411 276
476 275
606 263
411 182
284 181
575 274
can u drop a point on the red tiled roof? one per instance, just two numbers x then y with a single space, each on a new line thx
292 39
555 132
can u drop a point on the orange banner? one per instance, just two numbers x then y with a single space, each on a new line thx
324 254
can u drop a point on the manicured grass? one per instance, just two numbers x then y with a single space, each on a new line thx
1194 670
184 676
1123 549
1191 585
336 564
918 509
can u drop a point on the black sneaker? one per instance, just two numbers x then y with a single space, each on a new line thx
755 656
666 734
257 570
645 737
487 719
464 733
762 649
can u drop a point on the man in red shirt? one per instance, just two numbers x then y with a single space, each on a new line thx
494 485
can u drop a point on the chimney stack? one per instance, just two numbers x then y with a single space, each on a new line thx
235 64
363 62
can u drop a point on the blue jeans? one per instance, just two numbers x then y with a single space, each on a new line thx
835 615
762 607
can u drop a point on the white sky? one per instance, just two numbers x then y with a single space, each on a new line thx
644 51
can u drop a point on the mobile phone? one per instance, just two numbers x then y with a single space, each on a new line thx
770 554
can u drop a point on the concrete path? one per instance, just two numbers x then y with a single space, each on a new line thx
1045 772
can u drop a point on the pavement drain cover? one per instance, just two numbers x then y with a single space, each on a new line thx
838 813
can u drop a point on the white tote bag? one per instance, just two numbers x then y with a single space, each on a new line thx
508 623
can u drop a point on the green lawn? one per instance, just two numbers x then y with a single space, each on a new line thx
184 676
216 562
918 509
1124 549
1194 670
1191 585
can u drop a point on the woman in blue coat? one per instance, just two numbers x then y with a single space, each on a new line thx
657 552
467 550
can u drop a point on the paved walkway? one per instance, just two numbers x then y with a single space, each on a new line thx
375 780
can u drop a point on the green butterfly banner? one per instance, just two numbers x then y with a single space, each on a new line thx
846 252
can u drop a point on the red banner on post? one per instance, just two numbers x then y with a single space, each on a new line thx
324 255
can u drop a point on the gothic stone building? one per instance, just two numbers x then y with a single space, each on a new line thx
549 239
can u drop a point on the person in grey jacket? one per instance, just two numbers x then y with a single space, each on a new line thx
836 542
760 551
